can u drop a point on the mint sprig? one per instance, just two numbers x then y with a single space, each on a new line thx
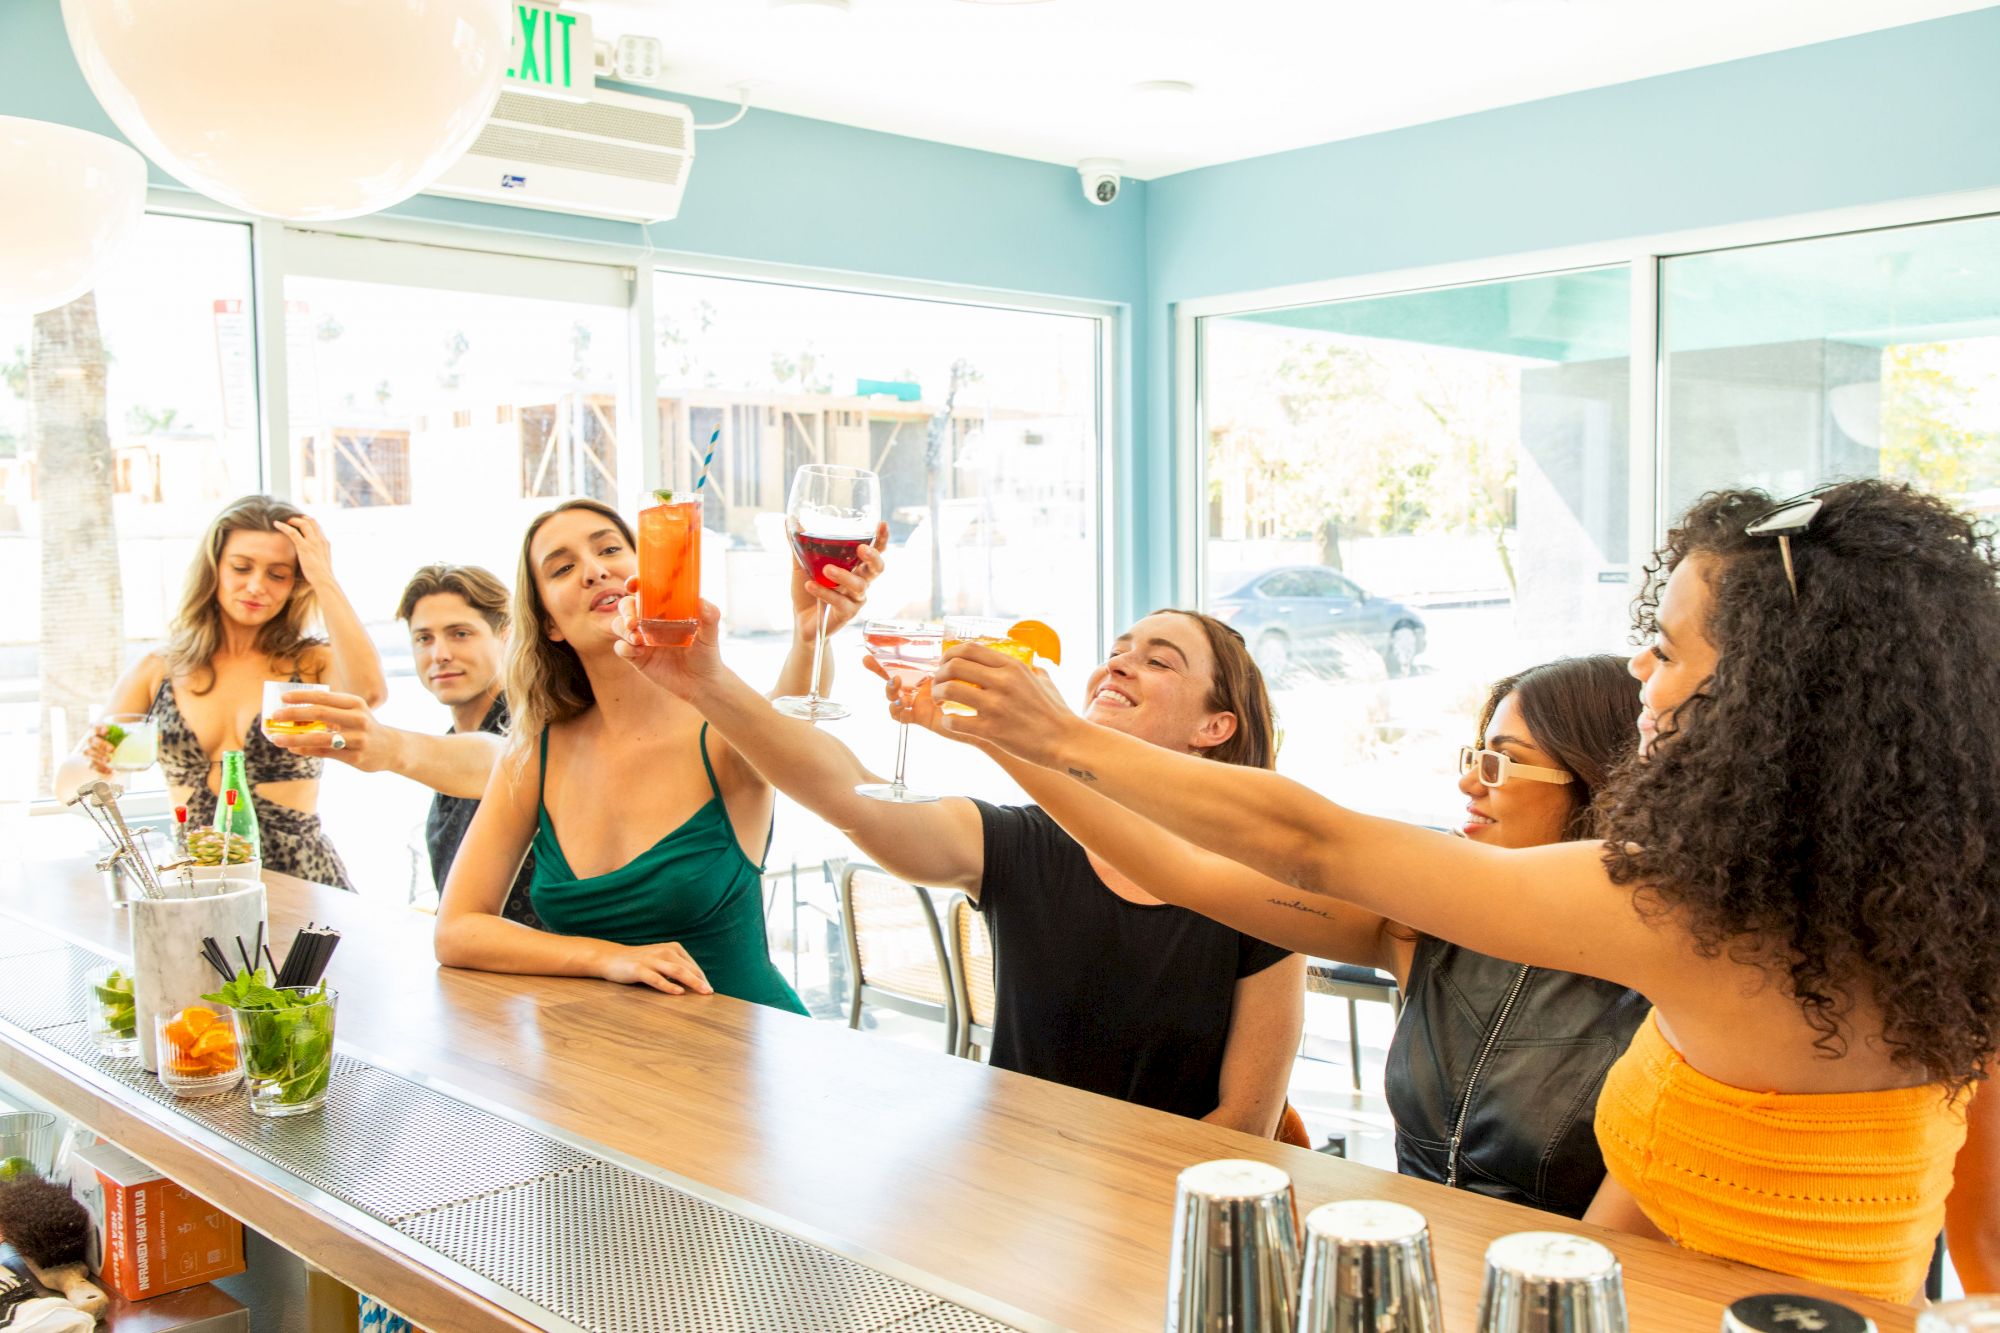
287 1035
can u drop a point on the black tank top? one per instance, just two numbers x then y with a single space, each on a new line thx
1494 1073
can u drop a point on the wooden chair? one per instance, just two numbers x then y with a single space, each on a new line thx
895 950
971 976
1353 984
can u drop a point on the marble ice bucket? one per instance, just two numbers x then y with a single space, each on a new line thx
168 970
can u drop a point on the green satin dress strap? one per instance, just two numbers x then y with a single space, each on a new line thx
694 887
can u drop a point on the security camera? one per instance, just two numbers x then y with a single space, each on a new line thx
1100 179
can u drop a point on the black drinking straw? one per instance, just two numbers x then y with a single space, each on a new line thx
216 958
307 959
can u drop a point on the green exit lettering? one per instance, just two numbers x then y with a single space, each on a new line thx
545 47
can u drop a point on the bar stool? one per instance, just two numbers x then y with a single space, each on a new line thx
895 950
971 976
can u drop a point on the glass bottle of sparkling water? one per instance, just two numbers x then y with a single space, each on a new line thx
240 816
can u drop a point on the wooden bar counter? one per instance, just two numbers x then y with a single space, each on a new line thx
1050 1205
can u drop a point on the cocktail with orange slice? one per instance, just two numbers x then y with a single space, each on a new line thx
198 1052
1022 640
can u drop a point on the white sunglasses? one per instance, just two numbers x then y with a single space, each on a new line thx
1495 768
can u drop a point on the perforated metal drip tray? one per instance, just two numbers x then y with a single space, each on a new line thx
586 1240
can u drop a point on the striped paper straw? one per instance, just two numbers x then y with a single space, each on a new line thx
708 457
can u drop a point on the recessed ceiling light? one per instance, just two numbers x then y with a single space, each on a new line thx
1163 88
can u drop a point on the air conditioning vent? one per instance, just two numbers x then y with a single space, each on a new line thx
615 156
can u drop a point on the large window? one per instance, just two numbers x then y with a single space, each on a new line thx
983 424
438 399
1407 497
126 420
1870 354
431 415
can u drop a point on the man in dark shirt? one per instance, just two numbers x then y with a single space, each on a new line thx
457 616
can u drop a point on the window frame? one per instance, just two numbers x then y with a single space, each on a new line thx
1184 538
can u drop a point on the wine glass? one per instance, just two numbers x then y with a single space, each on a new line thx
832 513
909 650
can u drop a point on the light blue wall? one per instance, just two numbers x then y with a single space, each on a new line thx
1901 113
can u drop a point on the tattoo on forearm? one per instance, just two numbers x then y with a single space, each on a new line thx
1083 775
1299 905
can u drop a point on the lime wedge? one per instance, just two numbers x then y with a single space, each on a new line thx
114 735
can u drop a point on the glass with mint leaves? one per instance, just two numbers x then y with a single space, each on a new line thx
114 1016
285 1034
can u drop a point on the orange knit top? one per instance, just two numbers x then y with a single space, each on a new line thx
1845 1188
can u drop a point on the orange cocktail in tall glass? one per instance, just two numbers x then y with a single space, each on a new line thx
670 569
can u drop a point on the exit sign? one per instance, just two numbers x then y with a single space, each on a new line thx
552 53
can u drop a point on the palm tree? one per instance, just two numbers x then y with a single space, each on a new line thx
83 606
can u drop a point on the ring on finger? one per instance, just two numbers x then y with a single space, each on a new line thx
339 741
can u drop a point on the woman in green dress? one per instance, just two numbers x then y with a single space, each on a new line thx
649 833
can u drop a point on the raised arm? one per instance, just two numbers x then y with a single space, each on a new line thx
1505 903
353 666
1174 870
941 843
456 765
843 603
471 932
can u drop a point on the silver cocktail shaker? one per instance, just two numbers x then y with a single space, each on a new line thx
1235 1264
1368 1269
1548 1282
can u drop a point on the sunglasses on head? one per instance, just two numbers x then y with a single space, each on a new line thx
1785 520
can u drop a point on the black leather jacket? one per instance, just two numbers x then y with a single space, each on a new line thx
1494 1073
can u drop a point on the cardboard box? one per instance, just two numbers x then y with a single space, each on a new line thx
155 1236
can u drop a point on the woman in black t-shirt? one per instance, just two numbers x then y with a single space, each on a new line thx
1494 1073
1097 984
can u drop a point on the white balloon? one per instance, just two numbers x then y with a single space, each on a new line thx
75 198
302 109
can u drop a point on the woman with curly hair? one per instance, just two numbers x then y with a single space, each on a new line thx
1800 873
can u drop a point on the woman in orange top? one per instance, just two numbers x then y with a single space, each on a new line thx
1801 872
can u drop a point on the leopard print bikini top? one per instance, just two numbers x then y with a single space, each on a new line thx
186 764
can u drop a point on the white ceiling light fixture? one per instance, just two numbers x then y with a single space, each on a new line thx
1163 90
817 8
81 198
303 111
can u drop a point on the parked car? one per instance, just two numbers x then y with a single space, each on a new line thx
1307 615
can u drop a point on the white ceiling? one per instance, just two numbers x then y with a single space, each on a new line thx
1051 79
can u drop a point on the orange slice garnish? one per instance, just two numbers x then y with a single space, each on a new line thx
198 1020
217 1040
1034 634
